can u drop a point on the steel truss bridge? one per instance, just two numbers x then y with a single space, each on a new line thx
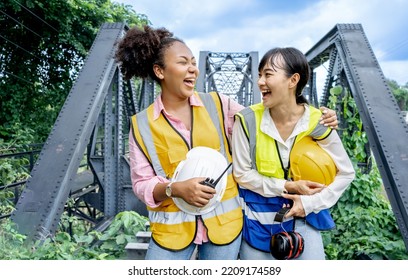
93 126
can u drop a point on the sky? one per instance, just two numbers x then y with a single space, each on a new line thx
259 25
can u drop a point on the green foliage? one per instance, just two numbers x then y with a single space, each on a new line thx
14 169
42 51
122 231
400 94
12 242
21 138
365 223
84 243
108 245
6 199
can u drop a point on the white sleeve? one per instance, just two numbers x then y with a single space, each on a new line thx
245 176
345 175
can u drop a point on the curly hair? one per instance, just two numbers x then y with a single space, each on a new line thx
141 48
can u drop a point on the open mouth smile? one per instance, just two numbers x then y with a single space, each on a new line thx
189 82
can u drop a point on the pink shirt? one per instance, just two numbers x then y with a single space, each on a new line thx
142 174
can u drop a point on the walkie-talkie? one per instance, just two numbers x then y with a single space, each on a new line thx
210 182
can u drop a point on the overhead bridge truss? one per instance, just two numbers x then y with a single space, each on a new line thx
232 74
94 124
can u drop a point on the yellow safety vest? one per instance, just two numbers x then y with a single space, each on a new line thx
266 160
266 155
164 147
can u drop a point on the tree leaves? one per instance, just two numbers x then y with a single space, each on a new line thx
43 46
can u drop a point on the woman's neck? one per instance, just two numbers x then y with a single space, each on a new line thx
287 113
285 118
179 108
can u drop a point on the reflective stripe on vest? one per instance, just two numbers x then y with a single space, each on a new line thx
260 211
164 147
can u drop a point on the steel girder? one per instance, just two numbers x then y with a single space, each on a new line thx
352 62
94 121
232 74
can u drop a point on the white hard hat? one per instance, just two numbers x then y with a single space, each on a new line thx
202 162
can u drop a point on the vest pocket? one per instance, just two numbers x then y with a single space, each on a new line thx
171 158
176 155
268 167
228 217
164 228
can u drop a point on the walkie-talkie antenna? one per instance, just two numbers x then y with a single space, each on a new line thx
211 183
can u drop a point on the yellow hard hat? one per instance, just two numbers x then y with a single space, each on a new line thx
308 161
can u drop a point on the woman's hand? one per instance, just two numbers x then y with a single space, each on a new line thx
297 209
329 118
303 187
192 192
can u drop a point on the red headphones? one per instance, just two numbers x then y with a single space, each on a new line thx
286 245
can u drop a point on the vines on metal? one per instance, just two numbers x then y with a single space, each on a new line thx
365 224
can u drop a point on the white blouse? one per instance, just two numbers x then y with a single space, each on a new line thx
249 178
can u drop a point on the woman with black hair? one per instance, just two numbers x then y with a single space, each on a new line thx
263 138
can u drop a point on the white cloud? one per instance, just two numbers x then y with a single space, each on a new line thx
396 70
231 26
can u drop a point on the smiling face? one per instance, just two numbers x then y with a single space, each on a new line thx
180 71
275 85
